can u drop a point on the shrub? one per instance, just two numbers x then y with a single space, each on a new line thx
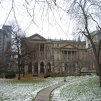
60 74
97 73
2 73
10 74
41 75
46 75
53 74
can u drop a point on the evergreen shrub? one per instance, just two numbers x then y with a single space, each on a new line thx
10 74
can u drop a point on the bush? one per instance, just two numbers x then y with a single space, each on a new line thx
53 74
47 75
97 73
60 74
41 75
10 74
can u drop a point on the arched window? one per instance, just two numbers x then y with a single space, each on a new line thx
41 67
36 68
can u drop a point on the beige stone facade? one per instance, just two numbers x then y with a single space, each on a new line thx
47 55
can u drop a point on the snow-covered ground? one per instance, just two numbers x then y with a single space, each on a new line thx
76 89
84 88
13 90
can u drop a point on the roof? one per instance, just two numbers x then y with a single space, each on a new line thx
37 37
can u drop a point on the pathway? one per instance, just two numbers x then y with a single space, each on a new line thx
44 94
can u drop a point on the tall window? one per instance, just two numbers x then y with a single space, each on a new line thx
36 68
42 49
42 67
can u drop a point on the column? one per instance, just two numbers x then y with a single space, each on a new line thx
44 51
38 67
71 56
71 62
67 63
39 52
67 56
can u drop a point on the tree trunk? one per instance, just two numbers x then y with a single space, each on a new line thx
19 67
100 78
97 61
99 72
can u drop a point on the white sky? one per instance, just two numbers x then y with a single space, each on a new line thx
49 22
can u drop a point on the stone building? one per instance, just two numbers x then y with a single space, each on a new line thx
96 36
47 55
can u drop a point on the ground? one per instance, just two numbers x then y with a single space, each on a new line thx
84 88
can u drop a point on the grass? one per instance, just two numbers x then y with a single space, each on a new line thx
20 90
85 89
80 89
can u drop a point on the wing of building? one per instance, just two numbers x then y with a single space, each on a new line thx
96 38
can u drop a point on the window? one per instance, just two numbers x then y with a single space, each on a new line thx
65 52
41 47
57 45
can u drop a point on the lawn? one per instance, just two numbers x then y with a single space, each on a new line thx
84 88
23 90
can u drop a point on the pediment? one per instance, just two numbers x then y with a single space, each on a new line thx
37 37
69 46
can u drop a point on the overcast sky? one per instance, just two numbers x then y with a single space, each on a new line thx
48 20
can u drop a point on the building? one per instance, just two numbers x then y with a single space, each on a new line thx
96 36
47 55
5 41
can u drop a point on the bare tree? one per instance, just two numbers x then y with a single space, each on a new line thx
2 65
17 36
87 14
29 51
